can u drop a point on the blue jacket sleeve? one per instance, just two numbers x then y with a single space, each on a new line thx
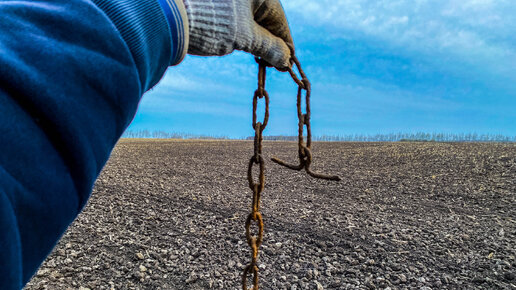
71 75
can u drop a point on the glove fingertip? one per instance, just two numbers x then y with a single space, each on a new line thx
269 47
278 54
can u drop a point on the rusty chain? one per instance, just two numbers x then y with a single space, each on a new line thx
257 188
304 152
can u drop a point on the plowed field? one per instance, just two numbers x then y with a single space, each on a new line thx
170 215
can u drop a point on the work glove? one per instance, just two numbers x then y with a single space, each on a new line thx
218 27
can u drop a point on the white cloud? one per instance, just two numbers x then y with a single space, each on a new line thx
471 31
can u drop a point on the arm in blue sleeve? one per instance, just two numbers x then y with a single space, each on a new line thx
71 75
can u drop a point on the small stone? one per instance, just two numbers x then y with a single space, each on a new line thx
143 268
43 271
139 255
68 261
296 267
316 273
369 283
54 275
51 263
477 280
510 276
403 278
193 277
309 274
84 288
319 285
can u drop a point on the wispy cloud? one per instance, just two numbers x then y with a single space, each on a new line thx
202 85
473 31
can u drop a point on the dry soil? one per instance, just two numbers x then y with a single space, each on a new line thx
170 215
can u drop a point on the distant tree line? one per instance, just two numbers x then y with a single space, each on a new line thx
400 137
166 135
420 136
392 137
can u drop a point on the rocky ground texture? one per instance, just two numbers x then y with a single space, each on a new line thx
170 215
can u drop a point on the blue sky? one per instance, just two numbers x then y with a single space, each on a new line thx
375 67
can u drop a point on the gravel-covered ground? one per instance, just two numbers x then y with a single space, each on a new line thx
170 215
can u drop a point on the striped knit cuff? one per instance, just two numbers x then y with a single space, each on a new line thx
175 13
155 31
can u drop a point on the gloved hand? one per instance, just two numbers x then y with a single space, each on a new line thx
217 27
